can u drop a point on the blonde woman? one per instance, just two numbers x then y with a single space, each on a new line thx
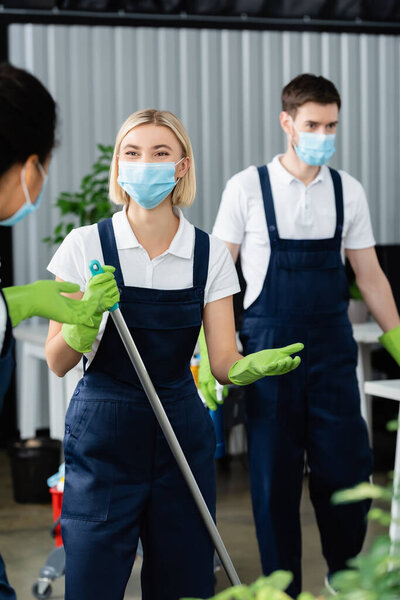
121 478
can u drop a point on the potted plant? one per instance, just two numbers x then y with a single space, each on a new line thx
88 205
374 575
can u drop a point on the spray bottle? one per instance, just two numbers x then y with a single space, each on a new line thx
218 420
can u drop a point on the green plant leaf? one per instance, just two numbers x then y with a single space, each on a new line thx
68 206
345 580
90 203
392 425
383 517
105 149
381 546
86 180
99 168
237 592
361 492
354 291
65 196
271 593
100 182
279 580
358 595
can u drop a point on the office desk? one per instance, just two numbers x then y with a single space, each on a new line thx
30 395
390 388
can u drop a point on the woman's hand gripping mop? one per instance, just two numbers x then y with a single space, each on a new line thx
170 436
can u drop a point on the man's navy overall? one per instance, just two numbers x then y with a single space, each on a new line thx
121 480
313 411
7 363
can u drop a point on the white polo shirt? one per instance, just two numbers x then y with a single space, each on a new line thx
302 212
173 269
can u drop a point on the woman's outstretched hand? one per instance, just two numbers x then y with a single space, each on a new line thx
276 361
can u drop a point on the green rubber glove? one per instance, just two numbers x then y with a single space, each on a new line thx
81 337
44 299
391 342
207 380
276 361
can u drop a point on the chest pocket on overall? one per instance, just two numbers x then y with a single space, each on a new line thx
309 276
164 326
167 350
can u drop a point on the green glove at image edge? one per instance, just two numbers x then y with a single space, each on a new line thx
275 361
44 299
80 337
391 342
206 378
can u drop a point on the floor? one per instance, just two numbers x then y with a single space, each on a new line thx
25 541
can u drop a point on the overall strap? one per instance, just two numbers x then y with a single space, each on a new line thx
337 186
201 258
109 248
268 203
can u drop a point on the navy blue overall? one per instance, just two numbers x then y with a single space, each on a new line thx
312 411
6 591
121 480
6 368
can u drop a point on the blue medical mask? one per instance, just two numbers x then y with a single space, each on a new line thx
28 206
147 183
315 149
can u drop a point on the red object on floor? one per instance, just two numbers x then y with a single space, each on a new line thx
56 499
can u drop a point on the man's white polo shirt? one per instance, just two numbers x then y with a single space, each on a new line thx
301 213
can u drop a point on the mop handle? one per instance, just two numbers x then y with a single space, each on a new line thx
218 390
169 433
95 269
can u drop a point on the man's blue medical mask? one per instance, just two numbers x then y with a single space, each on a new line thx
28 205
147 183
315 149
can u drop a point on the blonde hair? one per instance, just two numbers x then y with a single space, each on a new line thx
185 190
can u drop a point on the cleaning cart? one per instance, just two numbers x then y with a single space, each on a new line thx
55 563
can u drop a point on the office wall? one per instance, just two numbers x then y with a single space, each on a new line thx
225 86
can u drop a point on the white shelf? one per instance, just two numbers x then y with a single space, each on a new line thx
387 388
366 333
